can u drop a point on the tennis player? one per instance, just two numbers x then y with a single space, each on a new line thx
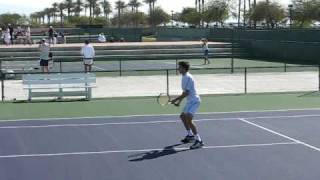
205 48
191 107
88 55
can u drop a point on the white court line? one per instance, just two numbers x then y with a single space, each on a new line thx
99 68
142 150
156 115
149 122
279 134
111 123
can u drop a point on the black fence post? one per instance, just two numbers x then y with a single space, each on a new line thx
167 76
120 67
319 77
2 75
285 67
176 66
60 66
245 80
232 52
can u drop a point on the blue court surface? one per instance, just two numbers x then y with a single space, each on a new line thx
270 145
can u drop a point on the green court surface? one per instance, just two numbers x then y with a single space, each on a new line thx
148 105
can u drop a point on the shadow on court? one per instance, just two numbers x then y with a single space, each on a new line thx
154 154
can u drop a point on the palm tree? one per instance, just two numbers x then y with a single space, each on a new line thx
78 7
48 12
137 5
153 2
132 5
120 5
42 15
239 13
254 6
149 2
61 7
96 11
69 6
95 7
86 6
55 9
107 9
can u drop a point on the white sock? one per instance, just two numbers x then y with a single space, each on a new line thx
189 132
198 137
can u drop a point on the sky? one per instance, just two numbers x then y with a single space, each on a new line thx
28 6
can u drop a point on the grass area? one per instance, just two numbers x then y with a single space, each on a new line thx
148 105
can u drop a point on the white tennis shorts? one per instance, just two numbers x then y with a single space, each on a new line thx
88 61
191 107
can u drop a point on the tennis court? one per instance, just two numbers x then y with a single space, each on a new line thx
241 145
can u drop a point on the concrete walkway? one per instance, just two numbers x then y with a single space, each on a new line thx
206 84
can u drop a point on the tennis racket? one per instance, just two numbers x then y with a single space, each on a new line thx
164 99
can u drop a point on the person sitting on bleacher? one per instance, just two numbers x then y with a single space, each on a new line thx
102 38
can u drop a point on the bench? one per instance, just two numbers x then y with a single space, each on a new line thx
59 85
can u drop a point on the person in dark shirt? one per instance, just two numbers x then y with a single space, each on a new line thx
51 35
11 32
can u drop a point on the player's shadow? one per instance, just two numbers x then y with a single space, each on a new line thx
169 150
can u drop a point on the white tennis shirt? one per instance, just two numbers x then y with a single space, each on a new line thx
88 51
188 84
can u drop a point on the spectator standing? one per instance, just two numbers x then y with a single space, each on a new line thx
28 36
44 49
51 35
11 31
7 37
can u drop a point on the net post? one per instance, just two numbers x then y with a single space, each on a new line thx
285 67
245 81
60 66
167 79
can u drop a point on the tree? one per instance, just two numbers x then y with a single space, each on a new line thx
216 11
86 6
92 7
137 5
305 11
8 18
120 6
271 13
69 6
78 7
132 18
49 13
190 16
96 11
61 9
55 9
159 16
149 2
106 9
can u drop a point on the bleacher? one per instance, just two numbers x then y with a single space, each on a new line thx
112 52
